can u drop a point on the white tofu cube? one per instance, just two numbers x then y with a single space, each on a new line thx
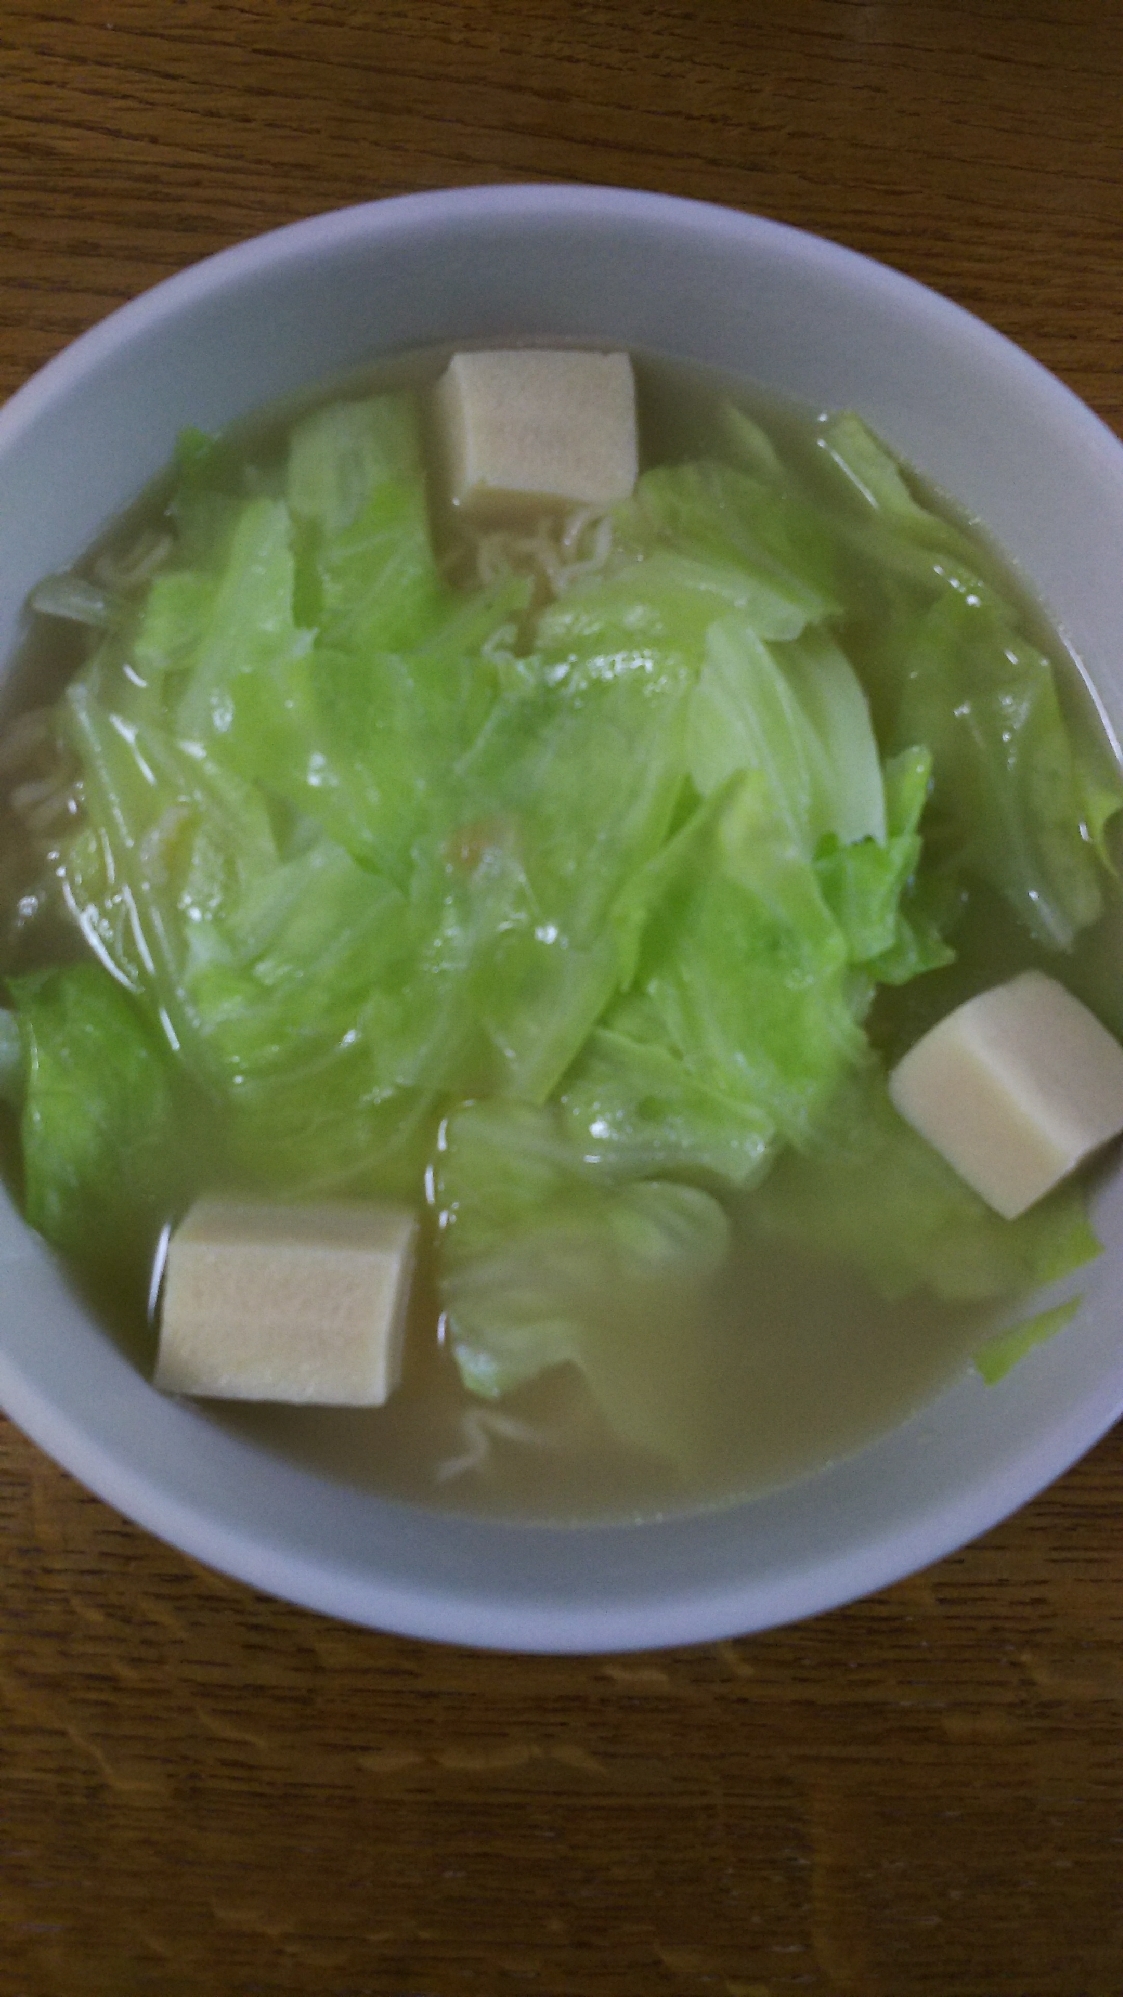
527 429
1015 1088
286 1303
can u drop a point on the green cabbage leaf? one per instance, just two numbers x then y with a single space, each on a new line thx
105 1117
547 1261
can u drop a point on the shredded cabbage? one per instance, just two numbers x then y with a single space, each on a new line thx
567 895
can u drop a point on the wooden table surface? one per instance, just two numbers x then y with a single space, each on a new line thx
202 1790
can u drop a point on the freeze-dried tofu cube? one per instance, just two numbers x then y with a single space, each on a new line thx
286 1303
1016 1088
529 428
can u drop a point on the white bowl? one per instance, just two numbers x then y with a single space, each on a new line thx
801 316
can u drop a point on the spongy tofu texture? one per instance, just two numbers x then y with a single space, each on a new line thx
1016 1088
529 427
286 1303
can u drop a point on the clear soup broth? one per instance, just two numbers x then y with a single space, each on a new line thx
789 1353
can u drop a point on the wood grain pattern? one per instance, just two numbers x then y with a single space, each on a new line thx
204 1791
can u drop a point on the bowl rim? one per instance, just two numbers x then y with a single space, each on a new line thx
493 1621
395 214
